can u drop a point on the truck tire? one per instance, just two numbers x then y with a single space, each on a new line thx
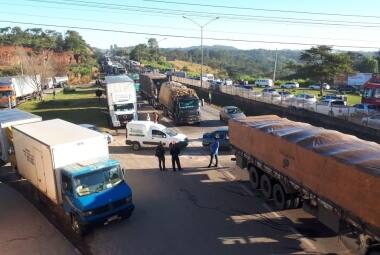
266 186
77 227
254 177
296 202
136 146
281 200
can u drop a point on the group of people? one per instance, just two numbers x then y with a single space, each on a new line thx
175 150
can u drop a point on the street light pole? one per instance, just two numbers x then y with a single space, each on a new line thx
201 26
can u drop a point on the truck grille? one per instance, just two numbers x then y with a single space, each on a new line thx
110 207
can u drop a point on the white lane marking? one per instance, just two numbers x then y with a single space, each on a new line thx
308 244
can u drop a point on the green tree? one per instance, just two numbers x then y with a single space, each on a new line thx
75 43
368 65
140 52
322 64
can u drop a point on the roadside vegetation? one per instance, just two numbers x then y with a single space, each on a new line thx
80 106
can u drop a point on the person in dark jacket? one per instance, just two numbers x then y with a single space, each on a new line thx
160 154
214 150
174 151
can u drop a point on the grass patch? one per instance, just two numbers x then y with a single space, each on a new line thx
81 106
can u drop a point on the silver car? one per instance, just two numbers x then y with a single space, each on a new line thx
372 121
231 112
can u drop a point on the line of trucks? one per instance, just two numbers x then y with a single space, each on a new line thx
176 100
333 176
67 164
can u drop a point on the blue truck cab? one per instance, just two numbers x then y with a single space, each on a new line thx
94 193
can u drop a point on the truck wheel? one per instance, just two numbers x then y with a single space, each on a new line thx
254 177
281 200
296 202
77 227
136 146
266 186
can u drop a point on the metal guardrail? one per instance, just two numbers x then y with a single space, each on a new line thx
339 112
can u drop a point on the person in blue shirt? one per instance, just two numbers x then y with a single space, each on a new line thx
214 150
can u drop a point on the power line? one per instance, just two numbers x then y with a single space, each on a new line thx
231 16
263 9
180 36
186 29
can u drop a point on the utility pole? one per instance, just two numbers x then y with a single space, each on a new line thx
275 67
201 26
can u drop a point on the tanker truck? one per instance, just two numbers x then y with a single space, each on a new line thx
179 103
70 166
150 85
333 176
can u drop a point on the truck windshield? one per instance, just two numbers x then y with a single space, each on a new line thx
169 132
97 181
123 107
188 104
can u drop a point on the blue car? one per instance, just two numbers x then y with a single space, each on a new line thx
221 134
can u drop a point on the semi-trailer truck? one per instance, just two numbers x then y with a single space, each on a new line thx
150 85
121 99
9 119
16 88
335 177
70 165
179 103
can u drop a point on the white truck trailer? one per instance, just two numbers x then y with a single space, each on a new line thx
122 100
9 119
70 165
16 88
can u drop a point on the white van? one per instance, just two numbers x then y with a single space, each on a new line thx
147 133
264 83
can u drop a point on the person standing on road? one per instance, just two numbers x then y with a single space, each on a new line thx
160 154
214 150
174 151
155 117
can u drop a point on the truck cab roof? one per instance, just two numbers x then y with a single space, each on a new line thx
88 166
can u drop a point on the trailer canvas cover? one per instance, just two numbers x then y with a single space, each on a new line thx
340 168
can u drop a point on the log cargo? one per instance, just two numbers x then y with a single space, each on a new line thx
171 91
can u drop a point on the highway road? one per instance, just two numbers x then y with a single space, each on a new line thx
203 210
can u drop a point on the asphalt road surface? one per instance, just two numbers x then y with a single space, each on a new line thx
203 210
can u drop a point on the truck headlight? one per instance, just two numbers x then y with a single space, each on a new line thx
87 213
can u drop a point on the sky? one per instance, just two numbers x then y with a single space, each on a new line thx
245 24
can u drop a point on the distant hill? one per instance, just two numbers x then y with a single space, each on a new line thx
236 62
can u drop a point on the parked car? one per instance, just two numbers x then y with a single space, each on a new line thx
348 89
335 97
95 128
290 85
270 92
332 107
147 133
285 95
305 98
372 121
318 86
360 110
231 112
221 134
